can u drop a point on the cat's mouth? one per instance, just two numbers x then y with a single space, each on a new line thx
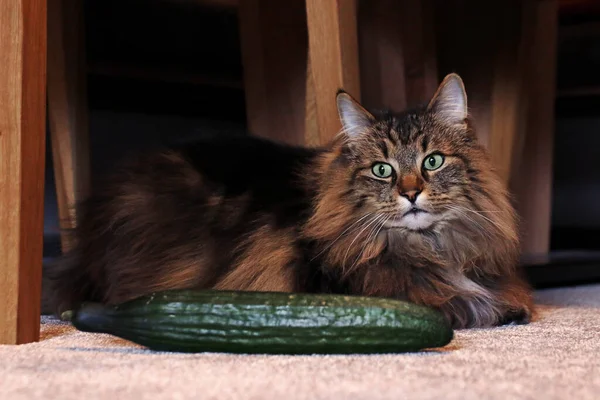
414 211
415 219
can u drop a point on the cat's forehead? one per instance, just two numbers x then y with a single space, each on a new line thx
408 137
408 129
405 135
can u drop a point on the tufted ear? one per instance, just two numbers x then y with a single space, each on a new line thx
355 118
449 103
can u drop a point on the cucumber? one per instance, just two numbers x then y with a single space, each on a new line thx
268 323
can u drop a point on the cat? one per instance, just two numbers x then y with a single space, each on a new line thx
402 205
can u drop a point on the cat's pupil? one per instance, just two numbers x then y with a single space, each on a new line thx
381 170
431 161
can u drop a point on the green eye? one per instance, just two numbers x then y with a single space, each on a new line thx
382 170
433 162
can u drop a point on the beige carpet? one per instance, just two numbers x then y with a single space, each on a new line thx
557 357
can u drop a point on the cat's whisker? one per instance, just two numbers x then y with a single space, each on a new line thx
341 234
373 220
482 211
467 217
371 236
383 224
379 228
462 212
496 224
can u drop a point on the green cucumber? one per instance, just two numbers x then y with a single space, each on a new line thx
268 323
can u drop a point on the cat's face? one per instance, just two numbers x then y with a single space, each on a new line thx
412 171
417 184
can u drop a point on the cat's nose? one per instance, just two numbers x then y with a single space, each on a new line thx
411 195
410 187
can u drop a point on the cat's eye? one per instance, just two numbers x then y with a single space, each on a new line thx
382 170
433 162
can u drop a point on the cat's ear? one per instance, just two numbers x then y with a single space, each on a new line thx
450 101
355 119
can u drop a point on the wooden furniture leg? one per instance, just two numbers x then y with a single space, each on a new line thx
333 54
481 41
531 178
67 108
508 62
22 141
296 55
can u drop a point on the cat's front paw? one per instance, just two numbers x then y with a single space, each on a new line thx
520 316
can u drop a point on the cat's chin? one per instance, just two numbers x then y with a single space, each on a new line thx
413 221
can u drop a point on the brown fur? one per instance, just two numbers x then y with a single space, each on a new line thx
263 264
260 216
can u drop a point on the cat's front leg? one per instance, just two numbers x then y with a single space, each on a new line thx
520 316
516 300
495 302
472 311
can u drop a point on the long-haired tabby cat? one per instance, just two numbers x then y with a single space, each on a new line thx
401 205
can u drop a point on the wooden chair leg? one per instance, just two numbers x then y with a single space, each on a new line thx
291 82
22 141
67 108
531 179
506 51
334 64
481 41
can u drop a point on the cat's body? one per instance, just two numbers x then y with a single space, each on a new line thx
247 214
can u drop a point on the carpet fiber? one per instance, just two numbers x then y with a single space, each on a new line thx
556 357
